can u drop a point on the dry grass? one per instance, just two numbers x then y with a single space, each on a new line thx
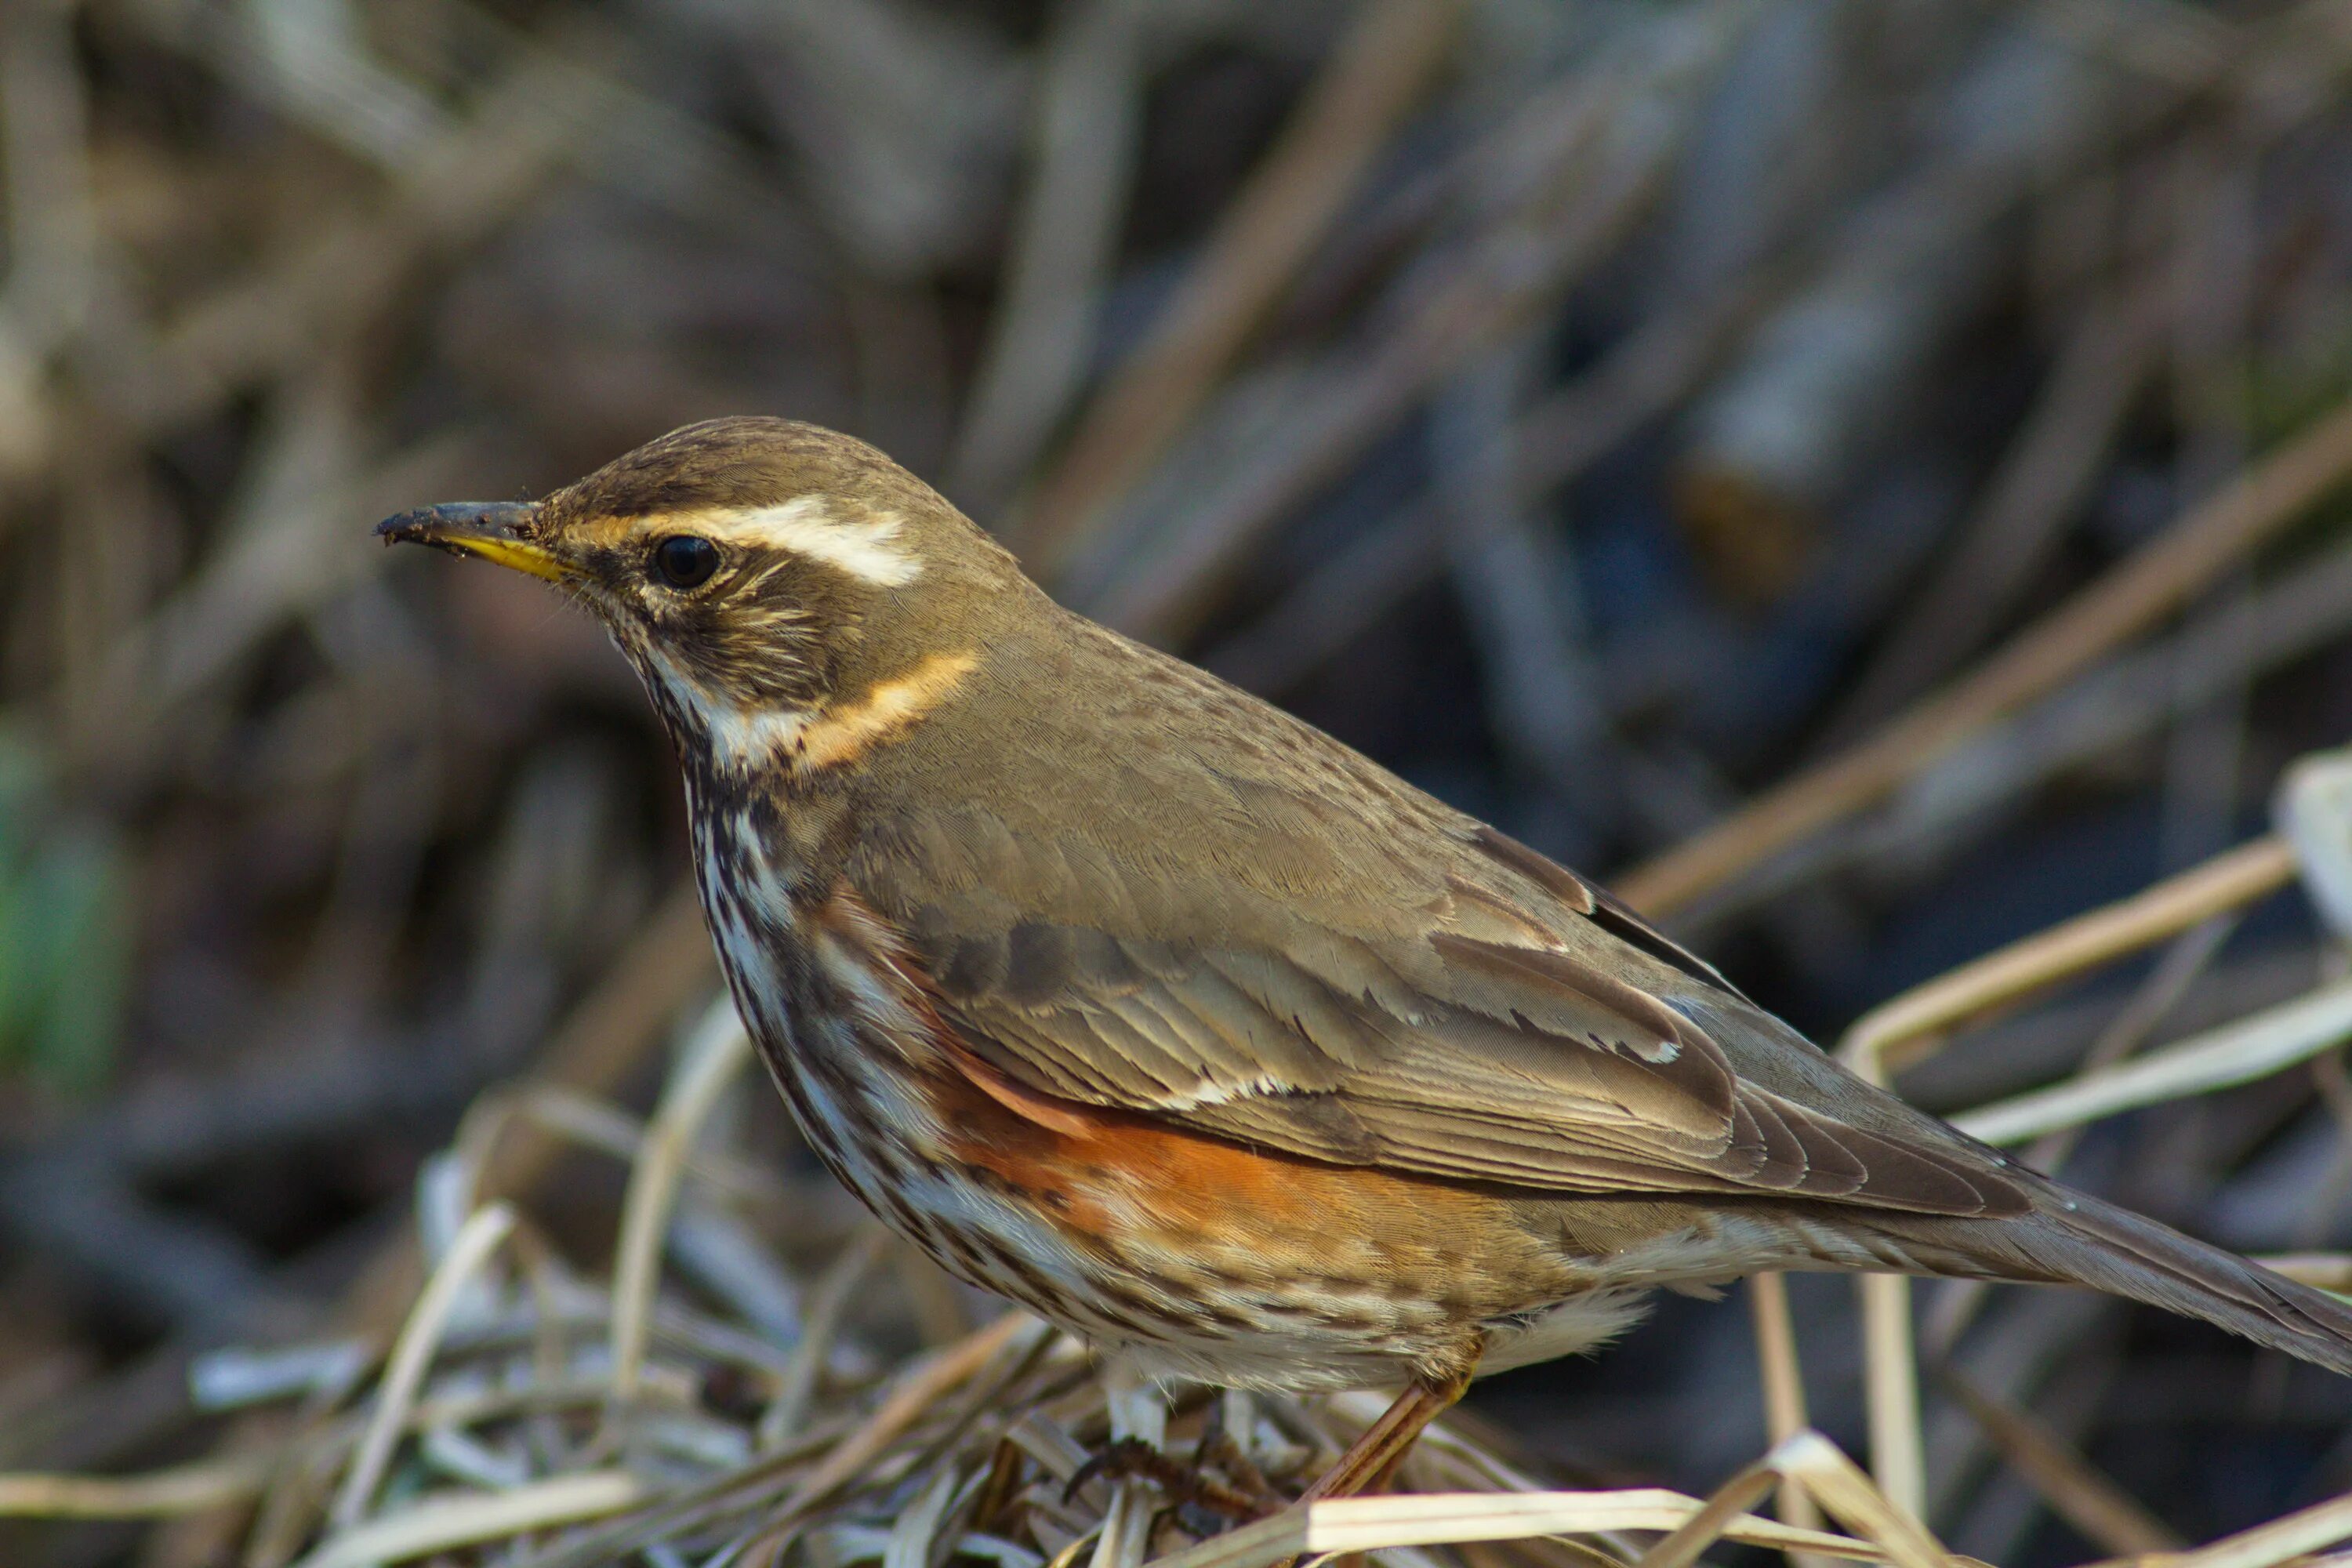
1487 270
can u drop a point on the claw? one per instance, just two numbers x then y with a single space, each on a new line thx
1226 1454
1132 1458
1114 1461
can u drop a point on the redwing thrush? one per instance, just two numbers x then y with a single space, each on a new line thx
1135 999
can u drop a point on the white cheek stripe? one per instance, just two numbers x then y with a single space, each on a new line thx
864 547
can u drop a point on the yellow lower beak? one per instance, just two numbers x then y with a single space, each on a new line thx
495 531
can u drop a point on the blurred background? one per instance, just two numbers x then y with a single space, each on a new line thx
1597 411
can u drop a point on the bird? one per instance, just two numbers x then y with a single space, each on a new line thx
1130 997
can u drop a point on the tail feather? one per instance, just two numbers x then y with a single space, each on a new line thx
2072 1238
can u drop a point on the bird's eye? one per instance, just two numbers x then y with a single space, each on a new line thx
682 561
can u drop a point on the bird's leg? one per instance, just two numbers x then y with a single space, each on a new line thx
1372 1461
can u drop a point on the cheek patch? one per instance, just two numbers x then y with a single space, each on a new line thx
846 731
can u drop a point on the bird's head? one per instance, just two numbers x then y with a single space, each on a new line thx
785 593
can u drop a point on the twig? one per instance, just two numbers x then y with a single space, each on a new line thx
2268 1546
788 1412
1898 1460
1088 114
1376 73
1626 120
2227 881
1784 1380
2128 698
2041 480
2313 811
2252 1048
716 1053
847 1456
2122 604
1137 1412
667 965
437 1523
1921 1015
1369 1524
1847 1495
413 1353
1705 1526
2079 1494
190 1489
1547 446
2178 968
472 178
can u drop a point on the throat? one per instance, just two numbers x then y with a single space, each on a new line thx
742 741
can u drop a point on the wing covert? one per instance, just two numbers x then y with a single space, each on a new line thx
1494 1024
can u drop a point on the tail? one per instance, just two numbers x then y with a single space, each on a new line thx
2072 1238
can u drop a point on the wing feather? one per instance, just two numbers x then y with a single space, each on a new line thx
1500 1020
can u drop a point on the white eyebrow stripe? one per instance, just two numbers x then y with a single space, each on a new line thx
863 547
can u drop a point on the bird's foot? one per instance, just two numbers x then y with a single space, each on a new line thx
1184 1485
1221 1452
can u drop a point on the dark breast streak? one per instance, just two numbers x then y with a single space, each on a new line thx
1178 1238
829 1057
1203 1254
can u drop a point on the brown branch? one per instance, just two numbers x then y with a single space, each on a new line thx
2007 974
2127 601
1377 73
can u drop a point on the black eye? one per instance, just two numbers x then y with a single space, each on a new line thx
682 561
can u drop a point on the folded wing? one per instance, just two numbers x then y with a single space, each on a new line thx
1500 1022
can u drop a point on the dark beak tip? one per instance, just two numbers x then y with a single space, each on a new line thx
419 525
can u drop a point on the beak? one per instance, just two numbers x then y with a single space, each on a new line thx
494 530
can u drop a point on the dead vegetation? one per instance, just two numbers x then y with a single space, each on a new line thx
1867 477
